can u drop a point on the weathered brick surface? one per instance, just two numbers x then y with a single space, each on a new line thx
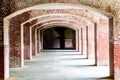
15 42
26 44
103 47
85 41
117 49
26 32
91 41
117 57
80 41
54 14
38 41
33 42
110 6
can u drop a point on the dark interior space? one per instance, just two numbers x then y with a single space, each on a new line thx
59 38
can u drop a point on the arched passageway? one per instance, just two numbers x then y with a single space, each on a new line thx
59 38
91 29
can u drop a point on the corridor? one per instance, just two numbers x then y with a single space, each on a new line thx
60 65
90 28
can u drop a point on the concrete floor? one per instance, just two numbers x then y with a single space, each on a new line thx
61 65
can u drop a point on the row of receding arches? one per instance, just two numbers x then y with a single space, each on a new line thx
22 32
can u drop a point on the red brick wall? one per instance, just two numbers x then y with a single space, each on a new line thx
117 57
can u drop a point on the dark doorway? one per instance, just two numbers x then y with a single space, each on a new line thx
59 38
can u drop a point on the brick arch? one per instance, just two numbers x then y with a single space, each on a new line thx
13 21
65 16
61 23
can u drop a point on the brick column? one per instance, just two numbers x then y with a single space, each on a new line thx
15 46
111 45
6 63
38 41
117 50
4 54
14 27
33 42
26 34
91 42
80 41
103 42
84 37
36 48
76 37
117 59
